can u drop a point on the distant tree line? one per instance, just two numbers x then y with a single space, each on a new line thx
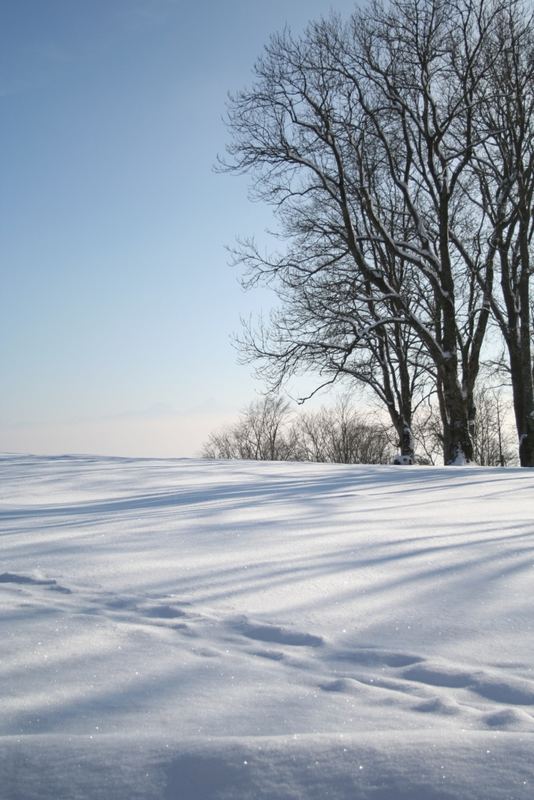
397 149
267 430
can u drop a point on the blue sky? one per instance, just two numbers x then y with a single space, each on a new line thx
117 301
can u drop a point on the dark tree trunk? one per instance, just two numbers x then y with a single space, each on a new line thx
403 427
523 397
406 441
457 440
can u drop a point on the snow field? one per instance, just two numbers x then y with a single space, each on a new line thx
187 629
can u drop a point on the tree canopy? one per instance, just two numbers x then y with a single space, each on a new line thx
396 149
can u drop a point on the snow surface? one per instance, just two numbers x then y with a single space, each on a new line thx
191 630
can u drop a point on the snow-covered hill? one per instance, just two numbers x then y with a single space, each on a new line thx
189 630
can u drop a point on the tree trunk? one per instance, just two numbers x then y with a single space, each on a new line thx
457 441
522 390
406 444
403 427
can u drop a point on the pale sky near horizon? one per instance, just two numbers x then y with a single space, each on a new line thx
117 303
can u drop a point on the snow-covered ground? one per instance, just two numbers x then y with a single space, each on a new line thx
186 630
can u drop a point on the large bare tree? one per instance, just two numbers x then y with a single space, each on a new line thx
364 137
503 172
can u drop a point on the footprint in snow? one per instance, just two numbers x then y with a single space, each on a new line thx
508 718
341 685
376 657
163 611
27 580
437 705
265 632
500 689
143 606
165 615
271 655
142 610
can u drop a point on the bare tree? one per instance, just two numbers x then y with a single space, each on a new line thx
503 170
342 435
258 435
363 137
493 444
338 434
492 440
332 322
